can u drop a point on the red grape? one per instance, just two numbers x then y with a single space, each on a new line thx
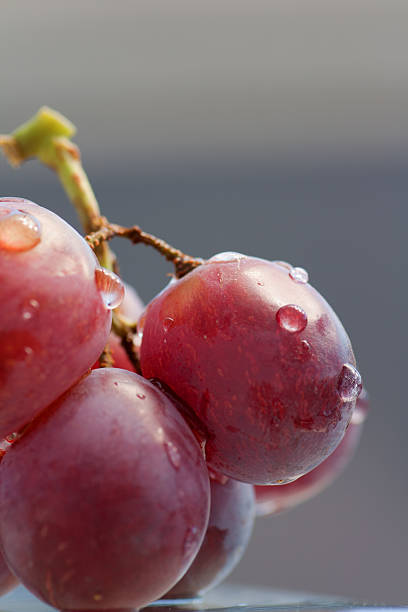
262 360
276 499
232 515
104 501
53 320
7 580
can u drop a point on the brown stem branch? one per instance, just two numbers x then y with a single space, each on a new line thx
183 263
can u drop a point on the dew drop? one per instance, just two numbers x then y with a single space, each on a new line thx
349 383
141 396
305 349
111 288
137 340
190 541
167 323
292 318
30 309
227 256
299 275
173 454
19 231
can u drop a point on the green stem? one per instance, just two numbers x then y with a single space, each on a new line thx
46 137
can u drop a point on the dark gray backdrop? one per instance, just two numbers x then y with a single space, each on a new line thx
273 128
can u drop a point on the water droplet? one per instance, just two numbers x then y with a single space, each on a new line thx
19 231
173 454
190 541
167 323
28 350
292 318
227 256
12 437
111 287
260 283
141 396
283 264
30 309
349 383
299 275
137 340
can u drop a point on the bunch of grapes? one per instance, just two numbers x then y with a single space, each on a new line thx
131 448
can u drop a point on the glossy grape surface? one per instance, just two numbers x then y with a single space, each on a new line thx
275 392
276 499
104 501
232 515
7 580
53 322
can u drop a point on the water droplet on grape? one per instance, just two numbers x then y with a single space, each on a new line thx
19 231
110 286
190 540
299 275
141 396
226 257
28 350
292 318
12 437
173 454
349 383
137 340
30 309
167 323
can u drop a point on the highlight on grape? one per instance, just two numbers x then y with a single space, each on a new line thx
142 437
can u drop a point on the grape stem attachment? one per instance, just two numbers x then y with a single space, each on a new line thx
47 137
183 263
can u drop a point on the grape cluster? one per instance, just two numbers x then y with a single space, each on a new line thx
118 488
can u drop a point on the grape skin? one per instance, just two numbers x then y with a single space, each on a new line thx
104 501
232 516
53 322
277 499
268 397
7 580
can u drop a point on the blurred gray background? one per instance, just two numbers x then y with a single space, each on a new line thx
277 128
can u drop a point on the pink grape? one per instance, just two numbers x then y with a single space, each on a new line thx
232 515
276 499
104 501
7 580
53 320
261 359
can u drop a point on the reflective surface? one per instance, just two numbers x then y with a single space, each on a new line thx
231 597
